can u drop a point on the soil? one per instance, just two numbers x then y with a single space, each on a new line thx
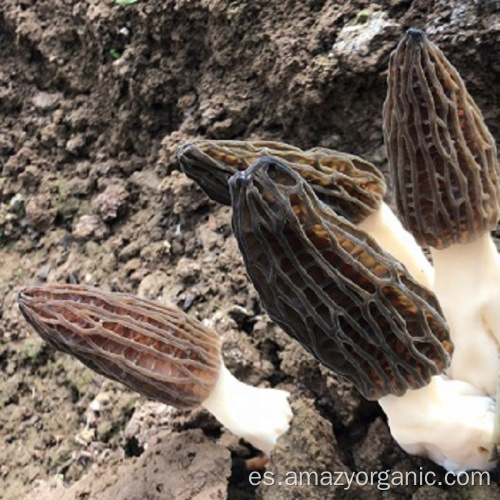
95 98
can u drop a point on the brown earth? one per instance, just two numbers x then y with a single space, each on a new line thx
95 98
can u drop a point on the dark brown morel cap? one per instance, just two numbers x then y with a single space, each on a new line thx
331 287
351 186
154 349
442 157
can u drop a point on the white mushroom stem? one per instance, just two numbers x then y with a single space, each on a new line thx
387 230
467 283
259 415
466 279
448 421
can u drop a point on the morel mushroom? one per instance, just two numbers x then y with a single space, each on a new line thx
332 287
156 350
352 187
445 173
357 310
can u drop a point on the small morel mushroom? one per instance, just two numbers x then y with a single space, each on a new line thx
352 187
358 311
156 350
445 173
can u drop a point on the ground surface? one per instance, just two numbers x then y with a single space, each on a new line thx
95 98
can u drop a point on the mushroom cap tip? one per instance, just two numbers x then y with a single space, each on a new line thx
415 36
184 152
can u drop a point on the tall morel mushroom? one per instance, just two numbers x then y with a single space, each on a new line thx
156 350
445 173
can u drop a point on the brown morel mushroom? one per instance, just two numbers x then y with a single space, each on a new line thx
442 157
332 287
445 172
357 310
352 187
156 350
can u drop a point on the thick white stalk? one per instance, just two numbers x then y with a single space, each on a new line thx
387 230
467 284
448 421
423 420
257 414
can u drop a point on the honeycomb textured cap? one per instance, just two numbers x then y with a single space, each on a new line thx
332 288
154 349
442 157
353 187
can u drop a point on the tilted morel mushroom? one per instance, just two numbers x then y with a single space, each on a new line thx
357 310
156 350
332 287
352 187
445 172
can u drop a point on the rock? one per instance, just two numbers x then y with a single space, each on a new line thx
152 285
39 212
46 101
180 466
112 203
90 227
301 455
